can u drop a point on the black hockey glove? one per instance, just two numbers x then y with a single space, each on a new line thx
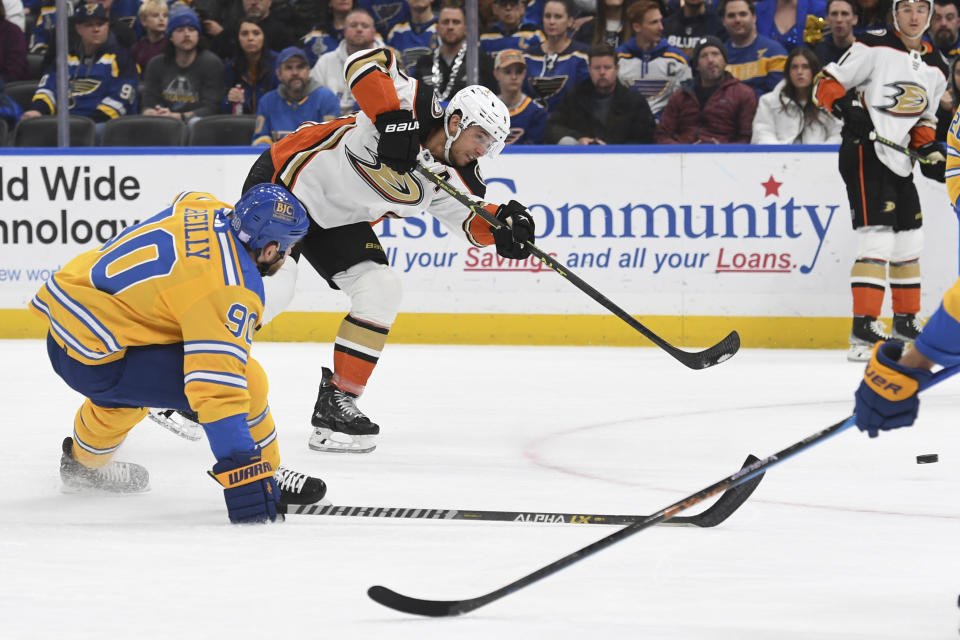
517 230
856 121
399 140
936 167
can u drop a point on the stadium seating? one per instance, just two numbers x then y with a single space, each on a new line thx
143 131
22 91
42 132
223 130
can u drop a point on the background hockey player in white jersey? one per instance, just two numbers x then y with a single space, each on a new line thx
892 83
353 171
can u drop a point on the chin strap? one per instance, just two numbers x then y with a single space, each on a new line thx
450 140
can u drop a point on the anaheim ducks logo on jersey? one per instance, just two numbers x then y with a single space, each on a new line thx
907 100
392 186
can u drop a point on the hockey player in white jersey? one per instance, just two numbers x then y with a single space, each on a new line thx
890 83
355 170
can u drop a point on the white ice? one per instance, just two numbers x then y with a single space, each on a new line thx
851 539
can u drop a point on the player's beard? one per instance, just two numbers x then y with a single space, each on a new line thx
943 38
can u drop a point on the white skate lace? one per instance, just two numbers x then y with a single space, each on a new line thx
115 473
347 405
288 480
877 327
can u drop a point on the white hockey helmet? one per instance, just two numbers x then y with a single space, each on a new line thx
479 106
929 4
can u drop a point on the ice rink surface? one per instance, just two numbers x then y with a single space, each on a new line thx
849 540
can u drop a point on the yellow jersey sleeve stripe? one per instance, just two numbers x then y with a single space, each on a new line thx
81 313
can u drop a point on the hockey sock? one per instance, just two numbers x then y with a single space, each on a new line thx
905 286
263 429
868 280
98 432
356 352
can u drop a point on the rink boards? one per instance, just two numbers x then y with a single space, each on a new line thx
692 241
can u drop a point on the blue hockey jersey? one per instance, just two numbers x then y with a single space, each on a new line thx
412 41
549 75
102 86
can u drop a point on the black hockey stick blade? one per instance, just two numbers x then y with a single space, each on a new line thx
713 355
729 501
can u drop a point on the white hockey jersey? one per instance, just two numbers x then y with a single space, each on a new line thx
900 89
332 167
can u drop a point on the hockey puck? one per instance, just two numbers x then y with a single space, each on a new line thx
928 458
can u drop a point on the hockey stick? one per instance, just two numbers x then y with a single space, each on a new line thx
719 511
893 145
695 360
438 608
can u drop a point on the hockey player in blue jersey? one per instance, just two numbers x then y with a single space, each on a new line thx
102 75
163 315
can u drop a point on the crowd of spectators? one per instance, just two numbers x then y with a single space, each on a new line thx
570 71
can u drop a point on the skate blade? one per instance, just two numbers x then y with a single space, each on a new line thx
860 352
325 440
191 432
94 491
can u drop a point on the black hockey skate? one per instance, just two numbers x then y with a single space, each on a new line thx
299 488
339 425
114 477
866 332
906 327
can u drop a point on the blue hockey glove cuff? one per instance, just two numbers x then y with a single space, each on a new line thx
249 489
887 397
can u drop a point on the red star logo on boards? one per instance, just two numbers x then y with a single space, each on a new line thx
771 187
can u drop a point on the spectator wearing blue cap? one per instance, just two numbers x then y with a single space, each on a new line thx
43 37
186 81
102 77
298 99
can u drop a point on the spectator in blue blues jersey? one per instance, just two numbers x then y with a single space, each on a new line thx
601 110
43 37
527 118
327 36
842 18
445 69
417 37
692 20
252 71
386 14
799 12
296 100
559 62
648 63
509 31
103 76
753 59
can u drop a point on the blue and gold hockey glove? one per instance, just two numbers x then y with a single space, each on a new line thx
249 489
887 397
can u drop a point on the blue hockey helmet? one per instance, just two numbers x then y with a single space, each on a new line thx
269 213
